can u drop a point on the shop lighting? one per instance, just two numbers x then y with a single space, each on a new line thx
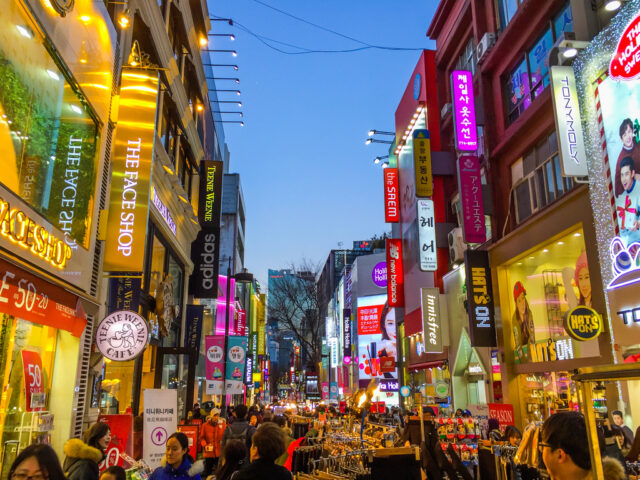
226 101
377 160
236 91
385 164
232 52
235 67
199 107
203 41
76 109
231 36
375 140
219 111
569 52
123 19
237 80
373 132
24 31
577 234
53 74
546 250
612 5
560 243
85 18
233 121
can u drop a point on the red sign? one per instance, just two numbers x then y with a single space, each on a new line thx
121 445
395 275
33 387
191 431
369 320
241 322
625 63
503 412
387 364
378 407
28 297
391 197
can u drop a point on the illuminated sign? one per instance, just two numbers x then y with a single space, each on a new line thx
391 197
428 255
248 372
346 334
395 274
625 63
131 175
552 350
480 298
422 163
464 110
624 263
163 210
122 336
470 187
583 323
573 157
333 345
379 274
388 385
630 315
431 321
20 229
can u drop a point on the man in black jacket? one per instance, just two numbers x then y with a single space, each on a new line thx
267 445
240 428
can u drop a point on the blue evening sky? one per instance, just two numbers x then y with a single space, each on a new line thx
308 178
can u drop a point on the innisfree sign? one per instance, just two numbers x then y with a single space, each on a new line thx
122 336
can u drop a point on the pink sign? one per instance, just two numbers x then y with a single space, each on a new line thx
214 345
464 110
325 390
241 323
470 185
221 308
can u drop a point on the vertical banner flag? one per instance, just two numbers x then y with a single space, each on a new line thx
431 320
121 427
395 274
427 236
422 163
205 250
194 328
214 363
470 188
346 334
248 370
573 157
464 110
160 421
333 391
236 352
482 322
391 197
124 294
131 172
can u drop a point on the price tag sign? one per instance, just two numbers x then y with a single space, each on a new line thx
33 387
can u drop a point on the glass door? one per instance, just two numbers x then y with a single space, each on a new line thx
175 370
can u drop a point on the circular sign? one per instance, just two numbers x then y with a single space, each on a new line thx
236 354
442 389
417 86
62 7
405 391
214 353
583 323
379 274
122 336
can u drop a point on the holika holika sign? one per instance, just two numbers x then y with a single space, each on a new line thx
131 174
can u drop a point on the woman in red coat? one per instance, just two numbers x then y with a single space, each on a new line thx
211 440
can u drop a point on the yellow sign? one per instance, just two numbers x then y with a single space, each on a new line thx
422 163
583 323
22 230
131 177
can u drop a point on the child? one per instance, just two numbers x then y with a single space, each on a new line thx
114 473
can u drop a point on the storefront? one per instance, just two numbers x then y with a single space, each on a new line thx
54 108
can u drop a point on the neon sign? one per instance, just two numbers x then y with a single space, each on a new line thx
624 263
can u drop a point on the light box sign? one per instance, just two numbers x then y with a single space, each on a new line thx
131 172
431 320
464 110
163 210
422 163
482 323
470 185
346 334
391 197
573 158
395 274
427 236
625 64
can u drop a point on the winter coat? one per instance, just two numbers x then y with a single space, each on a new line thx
211 437
81 462
612 469
186 471
263 470
236 428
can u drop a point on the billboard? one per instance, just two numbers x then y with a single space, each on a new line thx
377 352
391 195
464 110
482 322
395 274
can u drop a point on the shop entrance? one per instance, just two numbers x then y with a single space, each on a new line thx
176 369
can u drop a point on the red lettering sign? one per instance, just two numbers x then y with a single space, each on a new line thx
369 320
391 197
395 275
192 432
625 63
33 387
121 445
503 412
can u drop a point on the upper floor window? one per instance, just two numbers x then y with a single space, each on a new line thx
467 60
506 10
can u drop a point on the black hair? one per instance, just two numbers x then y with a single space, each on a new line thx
383 317
626 123
494 424
568 431
95 433
116 471
627 162
183 440
280 421
232 458
617 412
46 458
511 431
240 411
270 442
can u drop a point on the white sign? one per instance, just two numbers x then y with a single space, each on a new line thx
214 387
122 336
572 153
160 421
431 321
233 387
333 344
427 236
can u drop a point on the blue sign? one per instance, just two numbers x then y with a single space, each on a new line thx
405 391
417 86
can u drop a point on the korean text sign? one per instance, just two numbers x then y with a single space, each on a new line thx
395 273
391 196
470 185
422 163
160 421
427 236
214 363
464 110
482 322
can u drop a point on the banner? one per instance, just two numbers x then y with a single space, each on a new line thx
464 110
35 399
422 163
194 328
214 363
236 352
160 421
241 322
482 322
333 391
395 274
248 370
470 187
428 255
391 196
121 427
503 412
131 172
431 320
124 293
192 432
346 334
325 390
369 319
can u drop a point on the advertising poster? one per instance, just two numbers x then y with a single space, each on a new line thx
221 306
503 412
33 381
214 363
121 427
236 352
325 390
160 421
124 293
192 432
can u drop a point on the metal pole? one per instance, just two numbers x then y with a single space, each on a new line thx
585 397
223 404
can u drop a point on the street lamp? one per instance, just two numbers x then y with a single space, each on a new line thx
235 67
236 91
237 80
375 140
226 101
373 132
231 36
377 160
220 111
232 52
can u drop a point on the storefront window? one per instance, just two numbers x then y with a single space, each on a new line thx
48 134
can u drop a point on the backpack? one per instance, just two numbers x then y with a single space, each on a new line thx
238 436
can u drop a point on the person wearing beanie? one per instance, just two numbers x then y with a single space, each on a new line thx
211 434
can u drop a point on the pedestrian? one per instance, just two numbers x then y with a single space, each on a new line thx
36 462
196 414
83 457
288 438
253 420
267 444
512 436
240 428
114 473
177 464
233 458
494 430
618 419
211 441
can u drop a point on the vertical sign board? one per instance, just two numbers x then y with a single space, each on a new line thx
428 255
236 352
248 370
422 163
194 328
482 322
214 363
464 110
431 320
391 196
470 188
205 250
160 421
124 294
131 172
395 274
33 381
573 158
346 334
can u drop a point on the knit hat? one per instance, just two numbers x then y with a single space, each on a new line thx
581 263
518 288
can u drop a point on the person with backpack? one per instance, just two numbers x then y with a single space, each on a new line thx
240 428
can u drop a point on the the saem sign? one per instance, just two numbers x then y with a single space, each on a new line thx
391 197
625 63
395 275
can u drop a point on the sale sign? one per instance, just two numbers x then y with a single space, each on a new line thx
33 387
369 319
121 445
391 196
503 412
625 63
